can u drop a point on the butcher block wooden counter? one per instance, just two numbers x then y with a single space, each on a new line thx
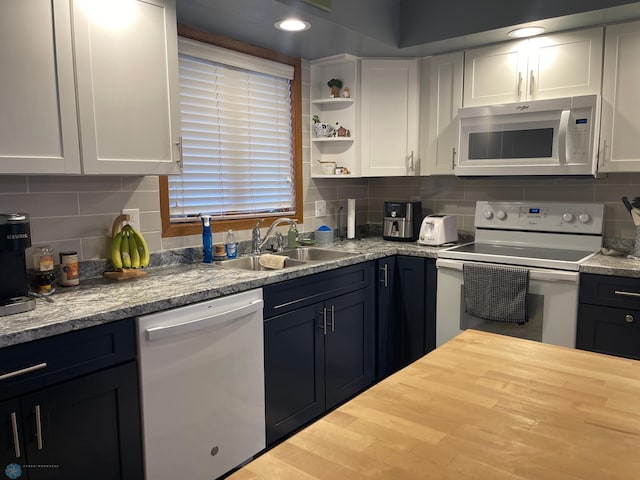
481 406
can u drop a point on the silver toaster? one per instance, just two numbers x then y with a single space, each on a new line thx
438 230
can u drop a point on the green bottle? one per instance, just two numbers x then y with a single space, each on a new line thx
292 236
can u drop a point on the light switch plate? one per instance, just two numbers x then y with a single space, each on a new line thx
321 208
134 213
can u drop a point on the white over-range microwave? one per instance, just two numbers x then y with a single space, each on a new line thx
543 137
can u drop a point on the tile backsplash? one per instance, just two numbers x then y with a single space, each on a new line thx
76 213
457 196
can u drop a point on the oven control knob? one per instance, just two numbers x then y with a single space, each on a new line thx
584 217
501 214
568 217
488 214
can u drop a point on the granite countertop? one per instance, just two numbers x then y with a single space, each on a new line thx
609 265
98 301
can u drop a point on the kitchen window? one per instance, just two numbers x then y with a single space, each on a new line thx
240 111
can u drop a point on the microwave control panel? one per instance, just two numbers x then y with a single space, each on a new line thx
557 217
578 134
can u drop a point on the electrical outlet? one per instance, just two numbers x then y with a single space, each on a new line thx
321 208
134 214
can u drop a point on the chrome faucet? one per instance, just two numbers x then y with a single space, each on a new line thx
255 238
257 243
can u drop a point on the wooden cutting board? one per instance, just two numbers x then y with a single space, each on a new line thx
125 274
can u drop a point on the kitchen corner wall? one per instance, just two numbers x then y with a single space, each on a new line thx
76 212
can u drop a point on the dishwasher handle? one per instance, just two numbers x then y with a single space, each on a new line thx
164 331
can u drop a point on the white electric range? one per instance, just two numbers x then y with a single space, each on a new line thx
550 240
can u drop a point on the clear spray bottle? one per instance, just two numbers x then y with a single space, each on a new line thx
207 241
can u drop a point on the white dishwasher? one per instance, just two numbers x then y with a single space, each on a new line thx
202 387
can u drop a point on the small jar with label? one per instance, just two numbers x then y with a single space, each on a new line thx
43 274
69 271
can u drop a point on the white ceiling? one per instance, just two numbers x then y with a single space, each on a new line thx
379 27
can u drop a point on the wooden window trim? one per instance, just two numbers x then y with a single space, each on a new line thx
194 228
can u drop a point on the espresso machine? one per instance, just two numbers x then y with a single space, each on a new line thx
15 238
402 221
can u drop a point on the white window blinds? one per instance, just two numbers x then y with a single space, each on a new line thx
236 136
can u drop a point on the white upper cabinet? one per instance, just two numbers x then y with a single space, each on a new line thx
440 98
620 124
88 91
389 115
127 84
494 74
38 124
550 66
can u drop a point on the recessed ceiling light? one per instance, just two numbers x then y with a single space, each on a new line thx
292 25
526 32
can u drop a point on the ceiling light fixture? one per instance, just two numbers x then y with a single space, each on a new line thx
292 25
526 32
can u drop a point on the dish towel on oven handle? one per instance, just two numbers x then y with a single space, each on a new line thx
495 292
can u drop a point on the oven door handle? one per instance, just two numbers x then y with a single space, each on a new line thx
537 274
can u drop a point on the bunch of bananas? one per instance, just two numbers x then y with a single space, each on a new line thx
129 249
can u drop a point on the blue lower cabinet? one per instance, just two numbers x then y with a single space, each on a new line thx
406 295
294 371
609 315
320 354
87 426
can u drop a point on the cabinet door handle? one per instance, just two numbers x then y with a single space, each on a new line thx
411 168
22 371
519 84
180 157
453 158
333 319
324 320
16 439
385 277
628 318
626 294
531 83
38 427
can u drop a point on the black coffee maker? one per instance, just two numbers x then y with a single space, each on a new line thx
15 238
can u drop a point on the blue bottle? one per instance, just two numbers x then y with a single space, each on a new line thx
207 241
231 247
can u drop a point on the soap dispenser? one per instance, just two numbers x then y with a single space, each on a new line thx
292 236
207 241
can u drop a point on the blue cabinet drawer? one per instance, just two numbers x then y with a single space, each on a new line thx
32 365
611 291
293 294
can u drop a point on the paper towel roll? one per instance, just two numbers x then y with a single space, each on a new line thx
351 218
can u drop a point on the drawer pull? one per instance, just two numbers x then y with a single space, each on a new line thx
38 428
628 318
385 280
626 294
22 371
16 439
333 318
324 320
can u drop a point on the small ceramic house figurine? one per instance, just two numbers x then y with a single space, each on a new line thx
335 85
346 93
342 132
